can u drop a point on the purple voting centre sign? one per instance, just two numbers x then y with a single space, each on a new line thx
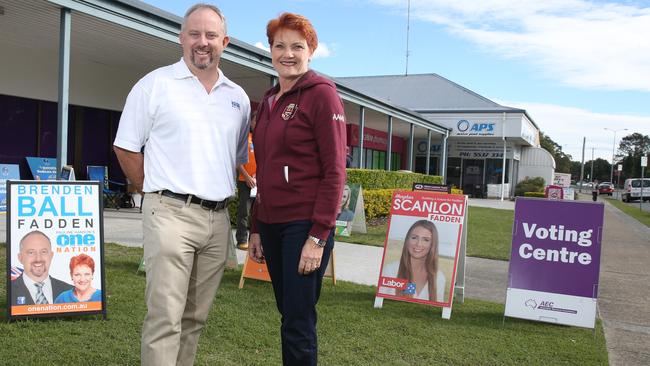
555 261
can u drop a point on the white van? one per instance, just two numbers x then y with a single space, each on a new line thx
632 189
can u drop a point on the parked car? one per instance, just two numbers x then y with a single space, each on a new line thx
632 189
606 188
584 184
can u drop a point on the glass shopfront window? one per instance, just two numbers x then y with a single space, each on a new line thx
453 171
376 159
473 177
33 126
421 165
494 171
395 161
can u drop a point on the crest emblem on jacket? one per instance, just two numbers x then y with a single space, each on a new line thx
289 111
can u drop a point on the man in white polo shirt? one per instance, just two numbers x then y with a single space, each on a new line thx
193 123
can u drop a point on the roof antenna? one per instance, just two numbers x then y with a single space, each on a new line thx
408 23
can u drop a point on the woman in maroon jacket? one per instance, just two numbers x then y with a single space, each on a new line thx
300 153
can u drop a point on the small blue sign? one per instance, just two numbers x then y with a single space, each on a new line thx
7 171
42 168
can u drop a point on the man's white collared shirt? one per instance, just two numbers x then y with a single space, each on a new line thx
194 140
33 290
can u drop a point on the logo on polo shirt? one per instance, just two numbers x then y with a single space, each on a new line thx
235 105
289 111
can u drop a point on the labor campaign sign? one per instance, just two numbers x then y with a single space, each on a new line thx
54 249
555 261
422 245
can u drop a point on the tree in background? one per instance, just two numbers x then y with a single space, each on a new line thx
562 160
630 150
602 170
575 170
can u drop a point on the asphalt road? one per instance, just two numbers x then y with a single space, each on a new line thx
645 206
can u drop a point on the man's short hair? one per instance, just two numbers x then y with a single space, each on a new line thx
35 232
198 6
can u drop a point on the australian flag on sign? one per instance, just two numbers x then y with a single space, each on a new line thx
16 272
410 289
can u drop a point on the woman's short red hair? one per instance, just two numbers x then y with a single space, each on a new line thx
82 259
294 22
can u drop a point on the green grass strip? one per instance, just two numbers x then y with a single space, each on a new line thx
489 233
243 329
631 209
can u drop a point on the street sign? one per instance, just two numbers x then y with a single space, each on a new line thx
620 167
644 161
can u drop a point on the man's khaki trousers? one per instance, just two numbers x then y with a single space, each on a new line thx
185 251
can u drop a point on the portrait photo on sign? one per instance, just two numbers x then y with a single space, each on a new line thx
347 209
419 260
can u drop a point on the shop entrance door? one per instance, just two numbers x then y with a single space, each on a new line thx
473 177
421 165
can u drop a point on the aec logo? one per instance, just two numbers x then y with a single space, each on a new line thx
531 304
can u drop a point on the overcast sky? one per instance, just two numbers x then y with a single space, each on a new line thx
576 66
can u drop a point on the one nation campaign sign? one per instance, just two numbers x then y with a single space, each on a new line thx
555 261
55 249
422 248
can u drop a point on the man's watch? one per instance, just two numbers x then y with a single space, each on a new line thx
321 243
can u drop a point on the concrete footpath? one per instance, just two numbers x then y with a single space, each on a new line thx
624 292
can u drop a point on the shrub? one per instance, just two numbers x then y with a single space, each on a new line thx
232 210
529 185
534 194
378 187
382 179
377 202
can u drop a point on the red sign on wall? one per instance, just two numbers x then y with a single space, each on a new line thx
375 139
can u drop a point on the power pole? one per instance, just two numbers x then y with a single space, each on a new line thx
592 164
408 27
582 164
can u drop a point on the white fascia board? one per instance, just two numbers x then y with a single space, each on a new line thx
158 27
